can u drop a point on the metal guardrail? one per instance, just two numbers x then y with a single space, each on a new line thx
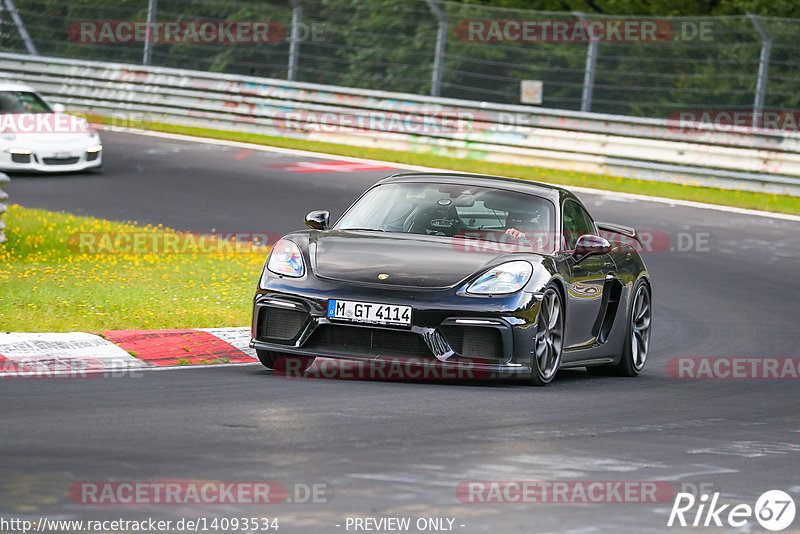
3 197
464 50
648 149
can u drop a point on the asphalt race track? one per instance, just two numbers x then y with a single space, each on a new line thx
725 286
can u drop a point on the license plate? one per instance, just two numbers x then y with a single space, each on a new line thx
366 312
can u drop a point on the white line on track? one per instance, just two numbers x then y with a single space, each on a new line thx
123 372
320 155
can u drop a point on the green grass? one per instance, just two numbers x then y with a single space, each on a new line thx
741 199
51 285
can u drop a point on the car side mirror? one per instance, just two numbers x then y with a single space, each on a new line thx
59 108
318 220
589 244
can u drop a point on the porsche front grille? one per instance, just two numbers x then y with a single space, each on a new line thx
61 161
275 324
474 342
368 341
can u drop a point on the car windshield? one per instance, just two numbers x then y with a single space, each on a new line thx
452 210
22 102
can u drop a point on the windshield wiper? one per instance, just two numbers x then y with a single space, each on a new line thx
365 229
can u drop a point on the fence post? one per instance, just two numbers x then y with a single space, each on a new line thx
441 41
152 5
23 33
2 26
763 68
588 73
294 39
3 196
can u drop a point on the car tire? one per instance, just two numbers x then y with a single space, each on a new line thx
548 341
637 336
283 362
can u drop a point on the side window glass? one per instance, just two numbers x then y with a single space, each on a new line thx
576 222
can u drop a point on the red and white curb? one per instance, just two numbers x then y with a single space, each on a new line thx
31 355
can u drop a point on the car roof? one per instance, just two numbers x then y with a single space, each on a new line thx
14 86
551 192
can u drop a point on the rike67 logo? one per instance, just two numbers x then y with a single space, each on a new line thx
774 510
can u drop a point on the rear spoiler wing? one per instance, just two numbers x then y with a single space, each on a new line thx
627 231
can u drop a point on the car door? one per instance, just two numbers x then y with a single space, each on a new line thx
587 280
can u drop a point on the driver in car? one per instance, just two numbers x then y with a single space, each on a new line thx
522 225
529 229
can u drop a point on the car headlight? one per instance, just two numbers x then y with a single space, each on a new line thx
507 277
286 259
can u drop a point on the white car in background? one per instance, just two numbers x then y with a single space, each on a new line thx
36 137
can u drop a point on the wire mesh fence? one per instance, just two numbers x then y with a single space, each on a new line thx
448 49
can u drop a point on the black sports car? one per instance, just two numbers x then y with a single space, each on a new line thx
508 277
